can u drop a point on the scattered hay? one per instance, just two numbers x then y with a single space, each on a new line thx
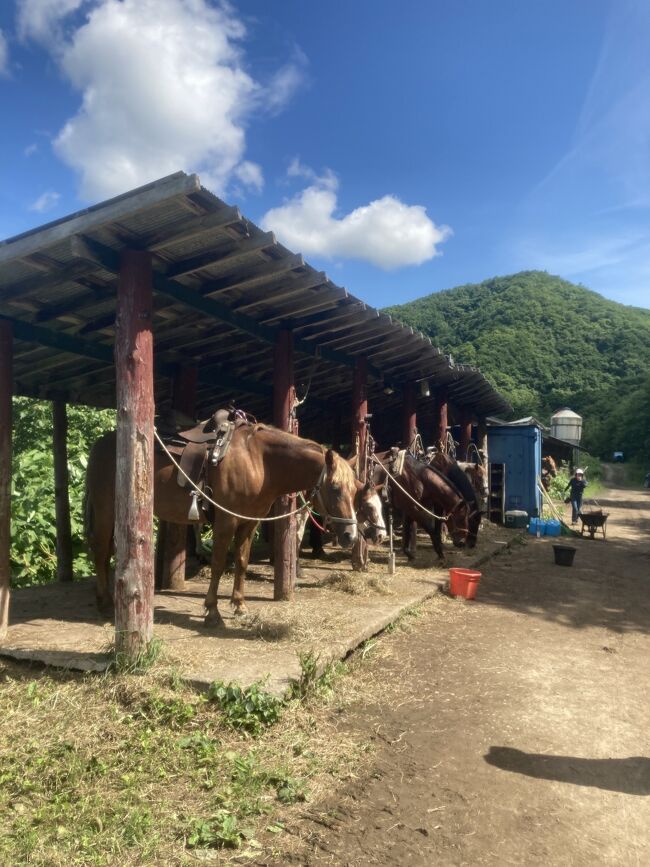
299 622
359 583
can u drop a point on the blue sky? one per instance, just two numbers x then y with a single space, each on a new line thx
402 147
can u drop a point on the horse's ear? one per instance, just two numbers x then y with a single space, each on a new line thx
379 488
353 461
330 458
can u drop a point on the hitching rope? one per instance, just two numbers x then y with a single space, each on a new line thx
204 496
404 491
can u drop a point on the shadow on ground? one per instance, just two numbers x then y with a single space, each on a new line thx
630 776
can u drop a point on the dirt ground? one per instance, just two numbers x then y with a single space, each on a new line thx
516 730
334 611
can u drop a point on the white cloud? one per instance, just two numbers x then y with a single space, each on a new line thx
250 174
4 54
31 149
41 20
386 232
164 87
45 202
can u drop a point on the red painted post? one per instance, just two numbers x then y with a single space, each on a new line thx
482 437
359 412
174 537
6 388
409 416
284 392
134 566
441 418
61 491
465 433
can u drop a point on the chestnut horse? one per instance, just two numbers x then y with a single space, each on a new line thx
261 464
434 492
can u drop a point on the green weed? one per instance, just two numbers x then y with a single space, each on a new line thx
250 710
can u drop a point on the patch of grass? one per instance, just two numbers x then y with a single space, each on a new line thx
250 710
142 662
316 679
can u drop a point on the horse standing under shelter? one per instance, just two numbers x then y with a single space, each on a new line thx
262 463
417 490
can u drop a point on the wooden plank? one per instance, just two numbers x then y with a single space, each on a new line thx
44 282
61 491
119 208
6 389
286 549
134 567
238 252
189 228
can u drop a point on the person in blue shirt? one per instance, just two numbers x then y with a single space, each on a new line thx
577 484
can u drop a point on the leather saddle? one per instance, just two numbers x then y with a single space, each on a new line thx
206 443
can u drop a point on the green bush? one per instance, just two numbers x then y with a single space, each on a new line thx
33 525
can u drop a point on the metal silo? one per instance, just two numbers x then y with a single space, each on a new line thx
566 425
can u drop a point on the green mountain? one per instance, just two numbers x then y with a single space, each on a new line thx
547 343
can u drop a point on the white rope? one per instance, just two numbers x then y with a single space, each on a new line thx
404 491
204 496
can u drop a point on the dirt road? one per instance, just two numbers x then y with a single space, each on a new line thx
518 729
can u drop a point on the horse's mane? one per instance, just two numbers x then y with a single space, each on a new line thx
459 478
260 427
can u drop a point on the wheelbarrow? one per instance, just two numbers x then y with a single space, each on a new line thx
592 520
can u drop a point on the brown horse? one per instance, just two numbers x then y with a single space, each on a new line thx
432 491
452 470
478 478
262 463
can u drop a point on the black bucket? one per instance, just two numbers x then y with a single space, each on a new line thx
564 554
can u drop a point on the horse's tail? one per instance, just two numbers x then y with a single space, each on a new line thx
88 514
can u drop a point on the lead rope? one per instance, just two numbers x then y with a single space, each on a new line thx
197 492
404 491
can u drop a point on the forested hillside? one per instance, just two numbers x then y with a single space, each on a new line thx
548 343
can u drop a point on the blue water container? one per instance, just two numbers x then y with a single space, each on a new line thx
553 527
535 525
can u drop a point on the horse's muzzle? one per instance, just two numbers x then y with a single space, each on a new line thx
347 536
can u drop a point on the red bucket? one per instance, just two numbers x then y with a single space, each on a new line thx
463 582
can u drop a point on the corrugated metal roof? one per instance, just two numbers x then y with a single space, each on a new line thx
222 289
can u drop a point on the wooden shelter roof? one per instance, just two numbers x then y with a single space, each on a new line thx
222 289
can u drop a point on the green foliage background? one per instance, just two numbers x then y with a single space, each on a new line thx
547 343
33 530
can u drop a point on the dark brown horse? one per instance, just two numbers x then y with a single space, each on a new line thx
262 464
452 470
432 491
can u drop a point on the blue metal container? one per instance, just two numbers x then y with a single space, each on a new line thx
519 447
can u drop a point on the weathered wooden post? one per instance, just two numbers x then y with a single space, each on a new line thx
174 536
465 432
409 416
134 567
359 412
6 388
482 437
359 437
61 491
284 393
441 408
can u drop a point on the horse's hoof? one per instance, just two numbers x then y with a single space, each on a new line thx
213 619
239 610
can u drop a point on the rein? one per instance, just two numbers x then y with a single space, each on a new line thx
404 491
